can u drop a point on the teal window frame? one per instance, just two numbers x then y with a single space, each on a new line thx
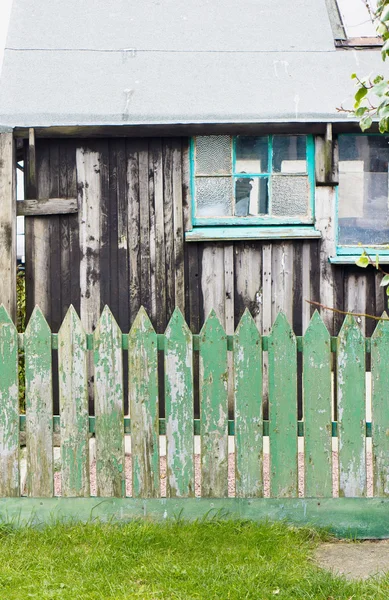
353 251
251 221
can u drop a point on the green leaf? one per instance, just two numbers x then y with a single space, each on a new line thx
387 291
362 261
384 125
384 281
365 123
361 93
361 111
385 14
381 88
353 76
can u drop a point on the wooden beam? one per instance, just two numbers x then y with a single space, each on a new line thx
8 223
47 206
326 162
31 162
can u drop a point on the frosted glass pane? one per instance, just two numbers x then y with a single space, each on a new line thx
363 190
213 196
289 154
290 196
213 155
251 154
251 196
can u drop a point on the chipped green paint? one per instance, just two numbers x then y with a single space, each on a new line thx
351 410
109 407
213 409
179 407
283 409
73 399
248 409
9 407
380 412
143 401
317 409
39 406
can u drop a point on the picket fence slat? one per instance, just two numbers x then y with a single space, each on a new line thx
248 409
143 402
9 407
73 400
317 409
109 407
179 408
380 412
283 409
213 409
351 410
39 406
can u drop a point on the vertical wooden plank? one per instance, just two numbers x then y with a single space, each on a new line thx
74 240
133 228
317 410
9 407
380 413
55 277
213 280
179 407
160 266
351 409
109 404
178 227
213 409
306 285
282 279
168 224
39 406
103 202
229 316
248 409
283 409
64 229
355 294
112 237
186 198
89 198
266 317
248 281
143 401
325 216
73 399
121 188
8 224
144 213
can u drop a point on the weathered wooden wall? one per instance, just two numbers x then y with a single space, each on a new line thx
126 248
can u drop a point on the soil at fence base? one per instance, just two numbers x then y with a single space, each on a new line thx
354 560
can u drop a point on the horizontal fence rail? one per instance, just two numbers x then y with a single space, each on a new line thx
288 470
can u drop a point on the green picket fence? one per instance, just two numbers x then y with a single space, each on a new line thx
351 512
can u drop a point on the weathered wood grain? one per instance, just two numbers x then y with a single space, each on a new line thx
133 228
109 407
143 403
248 409
283 409
9 407
47 206
179 407
178 226
351 409
380 414
317 410
213 409
39 406
8 224
73 399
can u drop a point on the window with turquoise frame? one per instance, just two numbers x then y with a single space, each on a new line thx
363 194
252 180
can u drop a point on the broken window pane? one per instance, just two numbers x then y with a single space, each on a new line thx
251 196
289 154
290 196
251 154
213 196
213 155
363 211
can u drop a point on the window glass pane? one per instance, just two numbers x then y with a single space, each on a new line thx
290 154
251 196
363 211
251 154
289 196
213 155
213 196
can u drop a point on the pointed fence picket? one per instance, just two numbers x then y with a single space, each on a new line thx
245 351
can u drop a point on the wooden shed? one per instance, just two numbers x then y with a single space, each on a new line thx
192 155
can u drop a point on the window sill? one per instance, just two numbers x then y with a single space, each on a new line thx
350 260
281 232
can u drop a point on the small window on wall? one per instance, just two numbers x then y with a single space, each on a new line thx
252 180
363 193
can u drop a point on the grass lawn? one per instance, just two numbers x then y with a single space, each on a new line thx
209 559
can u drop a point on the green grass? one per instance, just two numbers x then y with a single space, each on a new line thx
214 559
